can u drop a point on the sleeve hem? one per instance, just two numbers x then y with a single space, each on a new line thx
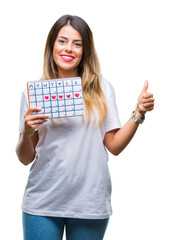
112 127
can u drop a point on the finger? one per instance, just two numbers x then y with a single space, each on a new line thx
145 87
149 109
40 116
31 110
31 126
35 122
148 100
148 105
35 116
148 95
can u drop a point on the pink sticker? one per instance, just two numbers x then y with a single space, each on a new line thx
53 97
68 96
46 97
77 94
60 96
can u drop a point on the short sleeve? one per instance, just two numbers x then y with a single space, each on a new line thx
23 109
112 120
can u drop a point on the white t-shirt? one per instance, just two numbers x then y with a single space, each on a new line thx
69 176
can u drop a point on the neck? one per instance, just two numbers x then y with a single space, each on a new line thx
67 74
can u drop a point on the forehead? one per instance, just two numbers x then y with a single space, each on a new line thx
69 32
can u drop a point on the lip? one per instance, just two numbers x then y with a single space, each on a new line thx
67 58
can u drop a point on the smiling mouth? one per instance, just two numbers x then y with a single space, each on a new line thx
67 58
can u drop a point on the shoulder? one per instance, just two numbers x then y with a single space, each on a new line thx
107 88
24 98
24 92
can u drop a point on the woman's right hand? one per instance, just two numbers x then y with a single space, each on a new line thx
33 121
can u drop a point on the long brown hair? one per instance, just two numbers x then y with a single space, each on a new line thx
88 69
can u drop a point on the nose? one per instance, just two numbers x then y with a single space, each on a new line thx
69 47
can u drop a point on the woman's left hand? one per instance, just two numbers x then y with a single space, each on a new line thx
145 100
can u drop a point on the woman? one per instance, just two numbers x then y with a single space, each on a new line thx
69 183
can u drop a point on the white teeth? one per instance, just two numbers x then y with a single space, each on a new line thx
67 57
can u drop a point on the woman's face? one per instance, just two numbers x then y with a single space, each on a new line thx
68 51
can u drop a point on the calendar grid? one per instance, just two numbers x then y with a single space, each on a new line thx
73 98
57 97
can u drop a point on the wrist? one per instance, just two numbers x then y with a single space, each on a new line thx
26 136
139 110
138 116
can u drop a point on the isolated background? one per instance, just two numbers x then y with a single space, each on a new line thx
133 44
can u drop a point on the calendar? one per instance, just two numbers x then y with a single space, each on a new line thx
57 97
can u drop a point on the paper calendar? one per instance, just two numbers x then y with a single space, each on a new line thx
57 97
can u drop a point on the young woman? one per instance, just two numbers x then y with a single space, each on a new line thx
69 183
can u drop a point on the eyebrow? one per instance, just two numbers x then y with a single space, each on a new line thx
76 40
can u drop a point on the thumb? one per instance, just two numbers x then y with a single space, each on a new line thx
145 87
32 109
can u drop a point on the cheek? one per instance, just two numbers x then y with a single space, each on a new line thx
57 49
80 54
56 53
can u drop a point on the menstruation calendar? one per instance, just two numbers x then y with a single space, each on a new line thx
57 97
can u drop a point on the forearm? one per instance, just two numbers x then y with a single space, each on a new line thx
25 150
123 137
28 140
118 142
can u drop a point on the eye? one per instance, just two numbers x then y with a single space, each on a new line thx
77 45
62 42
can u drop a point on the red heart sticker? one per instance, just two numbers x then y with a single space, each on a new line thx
53 97
60 96
77 94
46 97
68 96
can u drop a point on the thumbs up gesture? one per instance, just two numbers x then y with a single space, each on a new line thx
145 99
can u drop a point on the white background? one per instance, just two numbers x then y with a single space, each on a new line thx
133 44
